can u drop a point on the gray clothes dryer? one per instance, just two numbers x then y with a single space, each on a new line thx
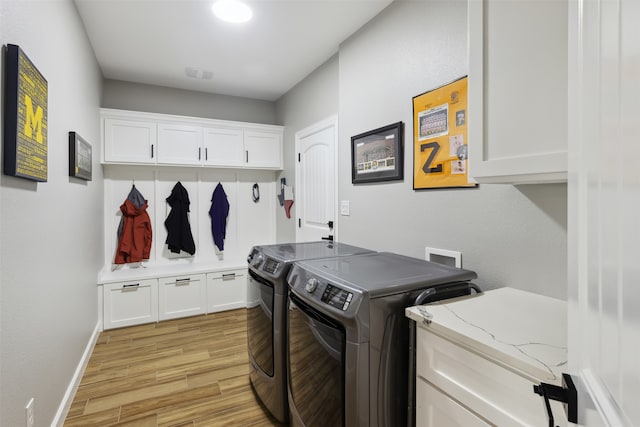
266 314
348 337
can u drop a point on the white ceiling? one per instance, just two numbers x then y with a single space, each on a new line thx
155 41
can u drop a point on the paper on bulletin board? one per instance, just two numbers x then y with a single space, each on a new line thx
440 152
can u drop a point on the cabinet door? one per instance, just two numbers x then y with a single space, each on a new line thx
181 296
436 409
499 394
129 141
179 144
263 149
130 303
223 147
226 290
518 91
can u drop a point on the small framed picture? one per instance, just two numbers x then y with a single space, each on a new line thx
377 155
79 157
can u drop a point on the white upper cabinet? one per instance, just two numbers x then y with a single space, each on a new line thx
518 82
263 149
129 141
179 144
223 147
137 138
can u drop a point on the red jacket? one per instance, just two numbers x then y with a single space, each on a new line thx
134 243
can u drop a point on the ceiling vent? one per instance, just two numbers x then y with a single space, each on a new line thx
196 73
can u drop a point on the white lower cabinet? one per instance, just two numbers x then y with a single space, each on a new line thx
181 296
436 409
162 298
226 290
469 386
130 303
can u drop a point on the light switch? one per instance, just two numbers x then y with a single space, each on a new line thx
344 207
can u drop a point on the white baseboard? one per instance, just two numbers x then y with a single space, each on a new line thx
67 400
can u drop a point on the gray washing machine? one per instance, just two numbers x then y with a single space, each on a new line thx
266 314
348 337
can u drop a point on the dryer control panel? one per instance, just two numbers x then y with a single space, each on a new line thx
336 297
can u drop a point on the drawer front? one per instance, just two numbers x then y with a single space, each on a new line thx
436 409
494 392
130 303
181 296
226 290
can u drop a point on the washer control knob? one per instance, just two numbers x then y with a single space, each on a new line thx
311 284
257 260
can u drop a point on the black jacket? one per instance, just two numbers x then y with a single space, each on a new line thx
179 235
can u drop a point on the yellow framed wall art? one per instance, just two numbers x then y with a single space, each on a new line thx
440 154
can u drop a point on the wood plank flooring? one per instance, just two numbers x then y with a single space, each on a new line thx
185 372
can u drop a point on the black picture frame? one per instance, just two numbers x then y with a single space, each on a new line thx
25 147
80 157
378 155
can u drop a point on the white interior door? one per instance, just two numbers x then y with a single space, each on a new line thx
604 200
316 181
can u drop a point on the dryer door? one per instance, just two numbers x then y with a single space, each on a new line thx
316 366
260 322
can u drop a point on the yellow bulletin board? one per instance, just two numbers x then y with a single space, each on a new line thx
440 154
25 132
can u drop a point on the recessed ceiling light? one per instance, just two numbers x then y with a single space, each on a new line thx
232 11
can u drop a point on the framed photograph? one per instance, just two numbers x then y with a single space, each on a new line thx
79 157
378 155
440 153
25 129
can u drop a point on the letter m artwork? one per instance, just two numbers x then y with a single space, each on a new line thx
25 132
33 122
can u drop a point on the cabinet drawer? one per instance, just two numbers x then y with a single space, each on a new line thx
181 296
226 290
436 409
485 387
130 303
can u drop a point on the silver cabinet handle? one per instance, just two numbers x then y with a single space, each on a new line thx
130 286
228 276
180 282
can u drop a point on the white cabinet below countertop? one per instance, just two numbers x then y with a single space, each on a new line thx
481 355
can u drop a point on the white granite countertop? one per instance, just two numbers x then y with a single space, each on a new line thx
523 330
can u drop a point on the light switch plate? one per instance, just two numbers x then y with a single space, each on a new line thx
344 207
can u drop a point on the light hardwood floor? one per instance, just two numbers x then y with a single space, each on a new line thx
184 372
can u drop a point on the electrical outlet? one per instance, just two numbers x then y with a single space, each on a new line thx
30 413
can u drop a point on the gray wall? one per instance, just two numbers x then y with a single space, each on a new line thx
51 245
310 101
511 236
158 99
